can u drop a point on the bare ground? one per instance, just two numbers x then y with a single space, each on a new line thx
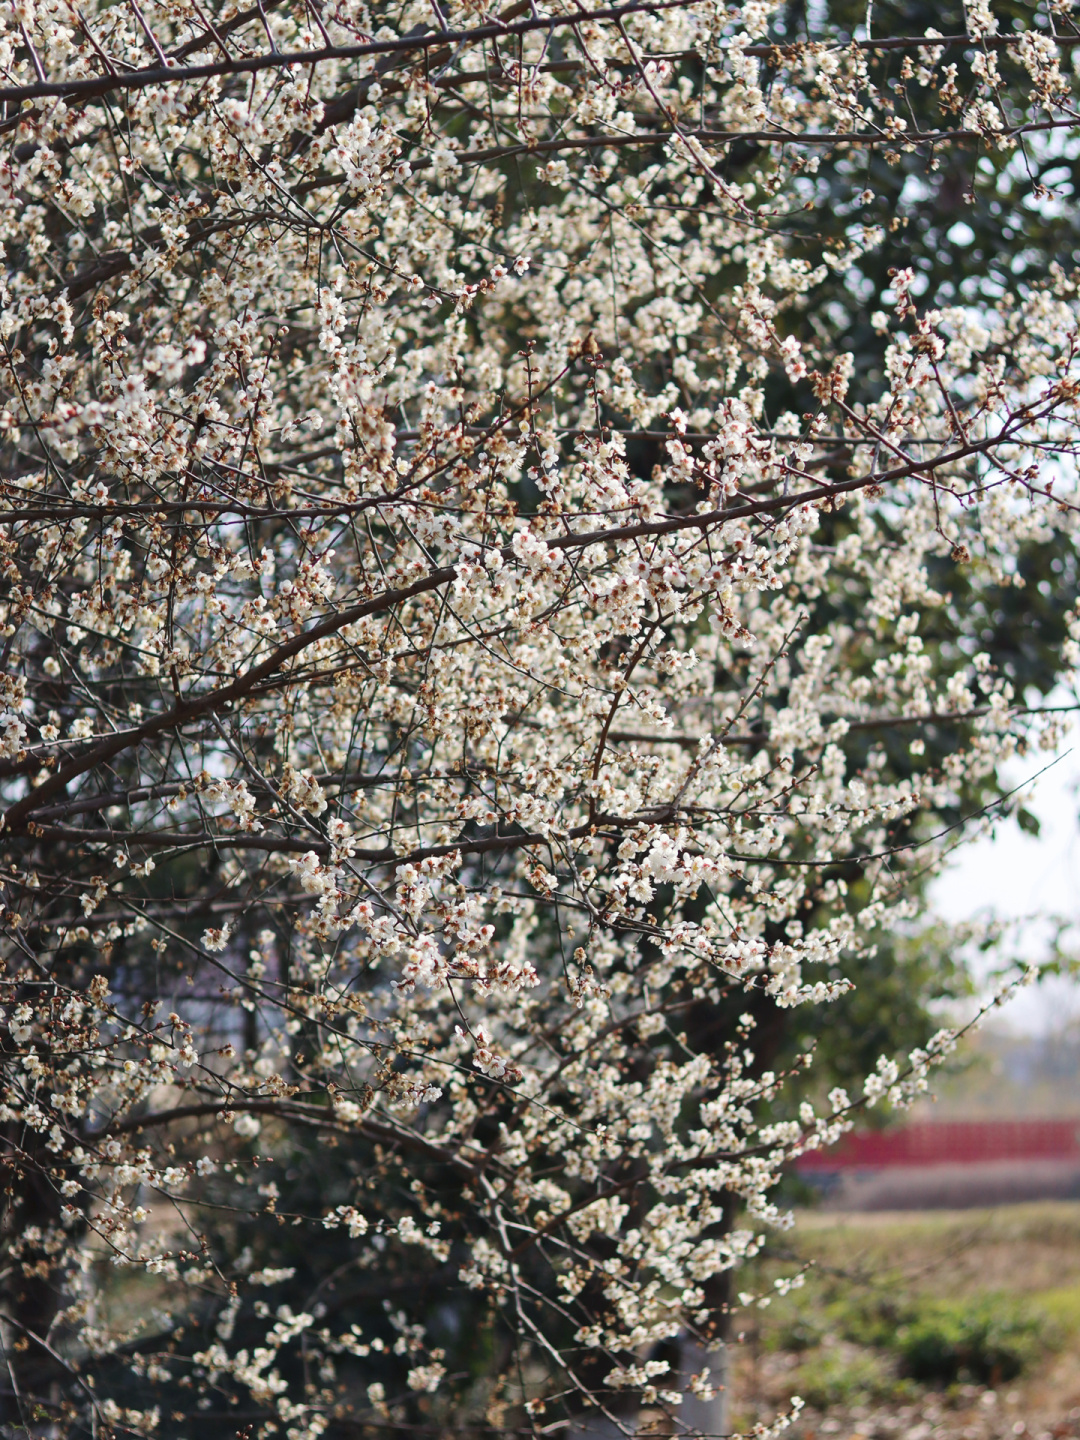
1025 1256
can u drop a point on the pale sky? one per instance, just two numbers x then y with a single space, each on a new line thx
1015 875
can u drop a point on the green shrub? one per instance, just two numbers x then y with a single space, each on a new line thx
829 1378
872 1318
800 1332
984 1341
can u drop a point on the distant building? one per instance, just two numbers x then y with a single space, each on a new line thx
951 1163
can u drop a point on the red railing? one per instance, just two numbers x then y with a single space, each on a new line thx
951 1142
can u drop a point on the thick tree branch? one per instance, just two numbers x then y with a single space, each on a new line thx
407 44
221 699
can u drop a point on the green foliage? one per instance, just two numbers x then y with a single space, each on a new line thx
1062 1306
873 1317
831 1378
862 1343
891 1007
986 1340
800 1331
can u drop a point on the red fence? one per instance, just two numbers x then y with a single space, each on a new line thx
955 1142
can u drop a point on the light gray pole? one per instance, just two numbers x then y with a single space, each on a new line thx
702 1419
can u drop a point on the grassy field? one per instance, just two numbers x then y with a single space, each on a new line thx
924 1326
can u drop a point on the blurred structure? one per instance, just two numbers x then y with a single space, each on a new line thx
1005 1128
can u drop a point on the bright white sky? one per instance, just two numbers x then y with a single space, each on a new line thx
1012 874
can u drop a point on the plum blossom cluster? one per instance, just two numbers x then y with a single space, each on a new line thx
481 655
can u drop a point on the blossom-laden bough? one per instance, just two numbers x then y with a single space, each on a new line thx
480 648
